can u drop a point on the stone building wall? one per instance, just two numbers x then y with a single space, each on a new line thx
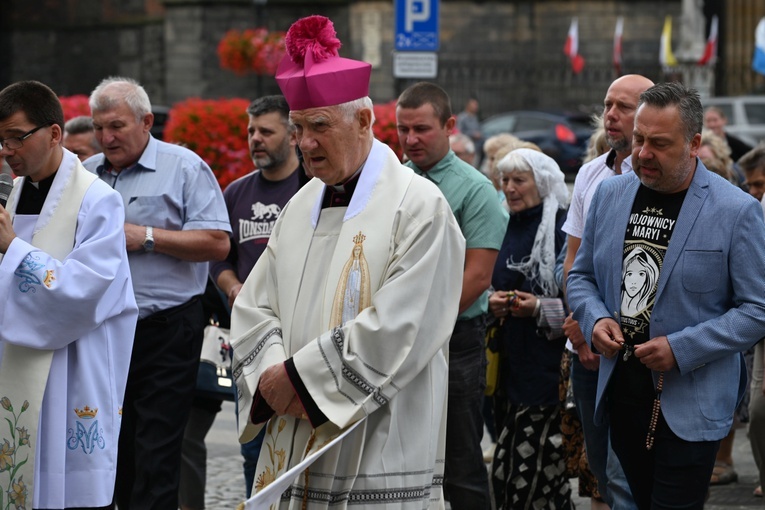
73 45
737 27
508 53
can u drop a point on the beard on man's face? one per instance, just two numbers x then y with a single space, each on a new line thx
618 144
268 160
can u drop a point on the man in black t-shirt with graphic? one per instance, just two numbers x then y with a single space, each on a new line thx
668 285
649 230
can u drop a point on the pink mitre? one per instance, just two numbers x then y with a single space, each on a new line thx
312 74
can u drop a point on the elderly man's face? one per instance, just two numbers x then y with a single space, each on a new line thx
123 138
82 144
661 157
333 147
422 136
461 151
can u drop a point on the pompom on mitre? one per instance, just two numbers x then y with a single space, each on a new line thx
312 74
315 34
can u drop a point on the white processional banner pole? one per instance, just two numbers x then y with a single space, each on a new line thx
271 494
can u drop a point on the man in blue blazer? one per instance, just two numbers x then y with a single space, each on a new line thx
669 285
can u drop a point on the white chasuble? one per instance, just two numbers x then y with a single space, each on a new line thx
24 371
364 300
66 290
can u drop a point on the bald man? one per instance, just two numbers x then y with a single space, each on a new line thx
619 107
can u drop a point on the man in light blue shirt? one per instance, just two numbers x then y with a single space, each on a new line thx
175 222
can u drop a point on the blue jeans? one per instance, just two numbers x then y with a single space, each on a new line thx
466 482
612 484
618 487
251 452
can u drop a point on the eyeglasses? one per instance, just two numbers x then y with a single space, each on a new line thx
17 142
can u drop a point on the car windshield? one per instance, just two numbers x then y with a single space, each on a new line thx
503 124
755 113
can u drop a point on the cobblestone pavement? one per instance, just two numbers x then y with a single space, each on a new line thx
225 481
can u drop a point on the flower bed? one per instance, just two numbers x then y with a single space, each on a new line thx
253 50
74 106
217 131
384 127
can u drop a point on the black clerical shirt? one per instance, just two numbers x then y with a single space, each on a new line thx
33 195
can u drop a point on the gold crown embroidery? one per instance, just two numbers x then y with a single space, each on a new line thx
86 412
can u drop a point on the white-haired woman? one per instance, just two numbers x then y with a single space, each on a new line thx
528 466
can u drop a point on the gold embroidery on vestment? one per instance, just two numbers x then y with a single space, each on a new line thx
353 292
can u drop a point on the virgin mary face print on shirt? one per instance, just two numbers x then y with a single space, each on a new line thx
640 273
646 240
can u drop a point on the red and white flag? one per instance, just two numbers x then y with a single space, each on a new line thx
571 48
710 51
618 45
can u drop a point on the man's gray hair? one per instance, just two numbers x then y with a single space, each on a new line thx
467 143
79 125
82 125
754 159
269 104
126 91
350 108
686 99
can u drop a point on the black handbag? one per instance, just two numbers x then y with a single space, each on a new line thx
214 378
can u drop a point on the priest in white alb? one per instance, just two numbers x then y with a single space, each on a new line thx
348 313
67 315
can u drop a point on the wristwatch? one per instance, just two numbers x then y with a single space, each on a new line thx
148 242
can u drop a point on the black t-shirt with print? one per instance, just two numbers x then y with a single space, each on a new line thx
649 230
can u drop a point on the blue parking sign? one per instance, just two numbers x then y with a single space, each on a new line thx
417 25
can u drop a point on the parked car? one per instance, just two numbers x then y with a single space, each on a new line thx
561 135
746 116
160 119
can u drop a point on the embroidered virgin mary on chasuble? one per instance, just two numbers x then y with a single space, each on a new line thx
353 292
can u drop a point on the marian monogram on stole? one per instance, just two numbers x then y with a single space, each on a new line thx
87 434
353 293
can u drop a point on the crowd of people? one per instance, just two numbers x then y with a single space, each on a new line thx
361 291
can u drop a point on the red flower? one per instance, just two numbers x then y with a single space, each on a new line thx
384 127
74 106
217 131
253 50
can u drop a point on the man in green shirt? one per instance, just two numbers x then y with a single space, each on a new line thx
424 120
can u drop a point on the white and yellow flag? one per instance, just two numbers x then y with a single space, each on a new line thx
666 56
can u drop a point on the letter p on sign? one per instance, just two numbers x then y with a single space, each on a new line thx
416 11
